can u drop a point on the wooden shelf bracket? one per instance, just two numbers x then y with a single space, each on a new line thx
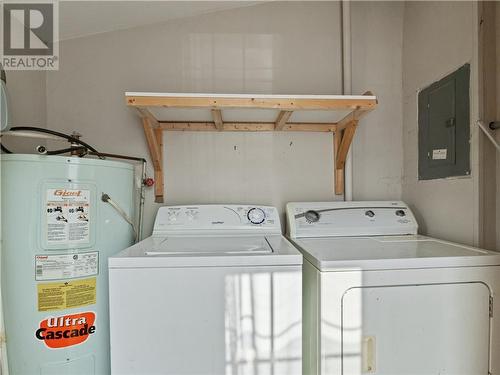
154 137
344 130
343 140
282 119
217 115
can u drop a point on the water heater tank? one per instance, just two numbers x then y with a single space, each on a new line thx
57 234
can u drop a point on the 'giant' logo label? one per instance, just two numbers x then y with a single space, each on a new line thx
67 330
68 193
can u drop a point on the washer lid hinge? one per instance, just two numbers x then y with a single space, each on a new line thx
491 306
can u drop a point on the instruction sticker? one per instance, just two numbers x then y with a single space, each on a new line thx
439 154
68 216
66 295
66 266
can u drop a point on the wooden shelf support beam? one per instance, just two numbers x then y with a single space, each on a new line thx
247 126
217 116
155 152
343 140
159 184
338 174
145 113
355 115
282 119
333 102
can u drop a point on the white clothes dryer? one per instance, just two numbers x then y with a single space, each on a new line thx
381 299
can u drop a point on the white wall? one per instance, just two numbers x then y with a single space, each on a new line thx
497 23
438 38
377 41
278 47
281 47
26 90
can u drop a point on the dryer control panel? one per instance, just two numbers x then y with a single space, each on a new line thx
217 219
323 219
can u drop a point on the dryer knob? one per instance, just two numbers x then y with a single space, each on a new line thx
312 216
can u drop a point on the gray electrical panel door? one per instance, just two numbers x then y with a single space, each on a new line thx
443 127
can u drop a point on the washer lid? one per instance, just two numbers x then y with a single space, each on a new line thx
391 252
208 251
211 246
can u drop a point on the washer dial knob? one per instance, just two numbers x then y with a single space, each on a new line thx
256 215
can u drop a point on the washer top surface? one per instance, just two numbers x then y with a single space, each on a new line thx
211 246
211 235
340 236
391 252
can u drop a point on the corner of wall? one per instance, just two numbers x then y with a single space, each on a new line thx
28 105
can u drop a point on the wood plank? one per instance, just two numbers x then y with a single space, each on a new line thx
282 119
129 94
154 148
246 126
286 104
187 126
310 127
350 117
338 174
217 116
156 157
345 143
159 184
146 113
355 115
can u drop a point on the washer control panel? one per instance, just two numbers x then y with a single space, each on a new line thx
317 219
220 218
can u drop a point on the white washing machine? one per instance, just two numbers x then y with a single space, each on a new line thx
215 290
380 299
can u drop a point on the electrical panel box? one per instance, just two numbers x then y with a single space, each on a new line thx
443 127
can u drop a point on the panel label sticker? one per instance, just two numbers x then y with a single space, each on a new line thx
66 266
66 330
66 295
68 216
439 154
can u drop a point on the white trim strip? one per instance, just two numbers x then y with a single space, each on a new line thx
247 96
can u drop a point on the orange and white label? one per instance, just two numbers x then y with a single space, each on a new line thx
66 330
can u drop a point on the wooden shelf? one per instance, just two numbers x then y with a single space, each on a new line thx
283 108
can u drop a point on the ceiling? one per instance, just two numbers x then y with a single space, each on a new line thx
83 18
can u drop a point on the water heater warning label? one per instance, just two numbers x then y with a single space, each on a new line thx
68 215
66 295
66 266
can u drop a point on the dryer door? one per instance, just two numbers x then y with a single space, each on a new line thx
416 330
